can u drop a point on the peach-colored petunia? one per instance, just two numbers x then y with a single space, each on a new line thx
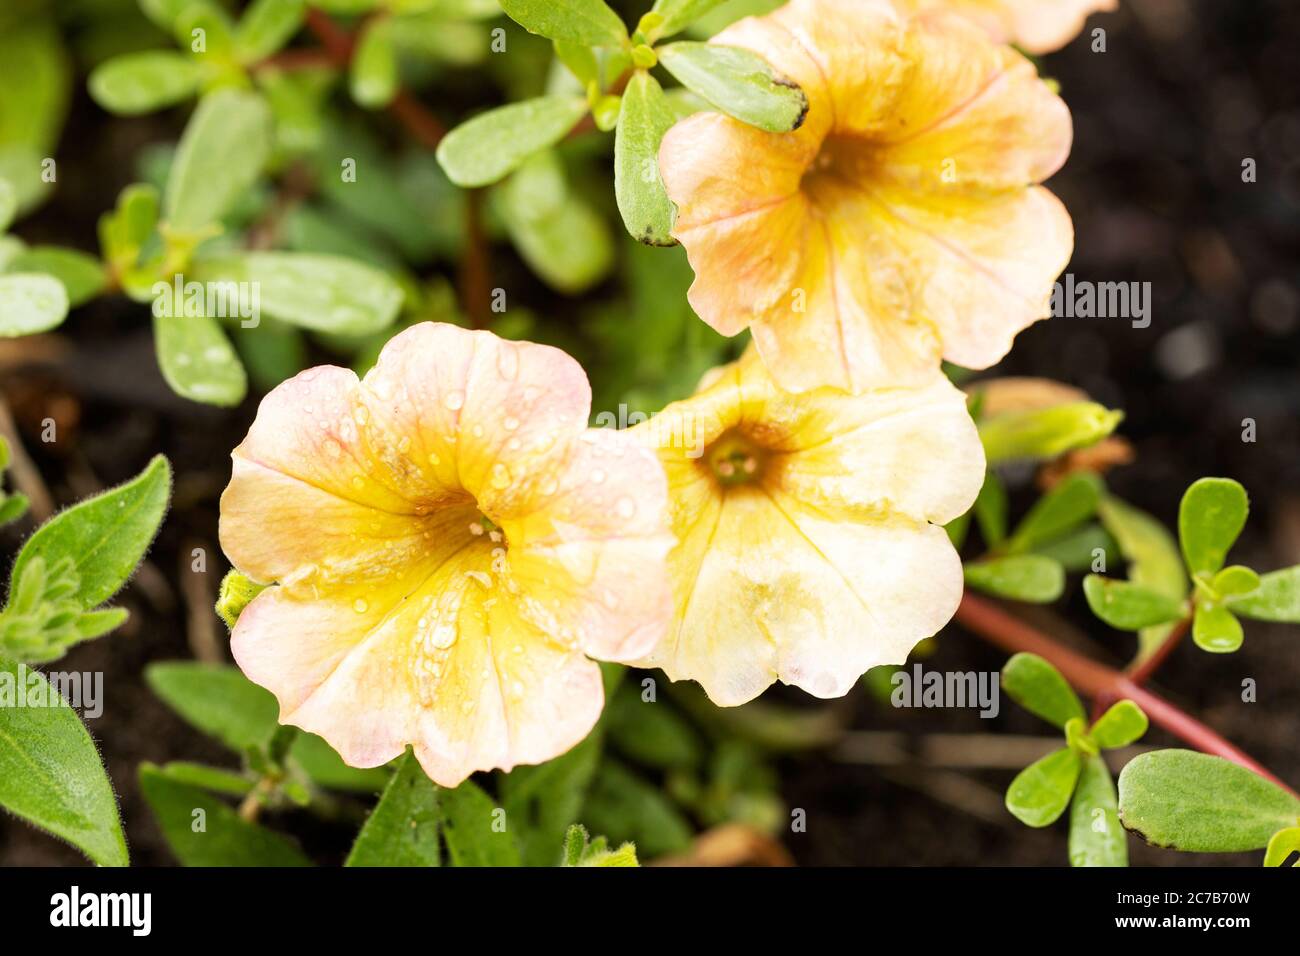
809 539
1039 26
451 545
900 223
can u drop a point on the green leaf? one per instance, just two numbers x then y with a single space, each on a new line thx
627 807
1281 846
1216 629
991 508
1196 802
1061 510
202 830
1038 687
218 700
1235 581
542 801
403 828
677 15
1154 560
266 26
82 275
472 827
652 733
197 359
489 146
221 154
208 778
1041 792
563 240
578 21
1079 550
31 303
137 83
1096 836
326 768
643 202
580 60
105 537
1045 433
319 292
1122 724
1020 577
1212 514
50 772
1276 599
737 82
236 593
373 77
1128 606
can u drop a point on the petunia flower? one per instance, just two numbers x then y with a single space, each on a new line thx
900 223
1039 26
450 546
809 540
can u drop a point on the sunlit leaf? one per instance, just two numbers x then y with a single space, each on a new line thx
1038 687
1212 514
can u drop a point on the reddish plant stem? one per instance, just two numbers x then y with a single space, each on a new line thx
990 622
475 277
1141 672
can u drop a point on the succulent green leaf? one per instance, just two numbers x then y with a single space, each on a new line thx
373 75
1096 836
1041 792
1127 606
137 83
31 303
1154 560
1276 599
197 359
224 839
677 15
563 240
491 145
991 508
82 275
1020 577
266 26
1212 514
737 82
324 293
1038 687
221 153
1281 846
1216 629
1061 510
1235 581
402 830
50 771
1122 724
643 202
1196 802
578 21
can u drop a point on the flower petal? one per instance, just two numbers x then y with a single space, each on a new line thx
971 116
596 550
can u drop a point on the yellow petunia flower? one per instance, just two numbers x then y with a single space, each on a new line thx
1039 26
900 222
451 545
809 547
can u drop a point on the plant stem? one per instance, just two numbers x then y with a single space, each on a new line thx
1141 671
987 620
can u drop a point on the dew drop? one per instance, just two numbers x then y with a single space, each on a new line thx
455 401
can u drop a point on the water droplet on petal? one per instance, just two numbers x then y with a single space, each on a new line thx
455 401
